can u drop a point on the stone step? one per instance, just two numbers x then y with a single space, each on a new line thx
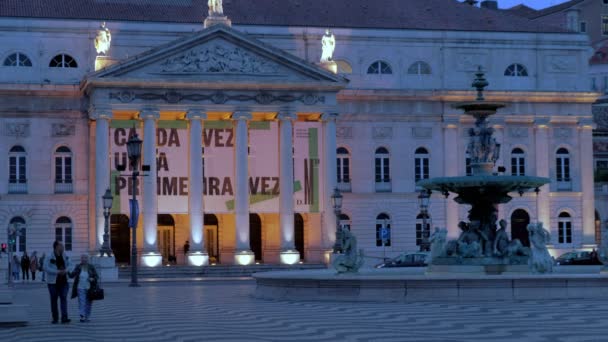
211 271
13 314
5 297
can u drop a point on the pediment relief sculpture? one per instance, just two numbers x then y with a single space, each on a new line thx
218 59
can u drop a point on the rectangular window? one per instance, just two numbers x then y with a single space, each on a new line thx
420 233
22 170
421 168
605 25
68 169
22 241
378 170
386 170
382 170
12 178
58 170
59 234
565 232
343 170
67 242
583 27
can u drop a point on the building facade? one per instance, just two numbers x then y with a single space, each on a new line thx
235 119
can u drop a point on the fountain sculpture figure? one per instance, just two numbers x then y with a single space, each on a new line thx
480 242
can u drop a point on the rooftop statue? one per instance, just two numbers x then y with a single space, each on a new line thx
328 43
215 8
103 40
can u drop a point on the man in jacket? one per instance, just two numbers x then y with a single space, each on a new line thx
57 266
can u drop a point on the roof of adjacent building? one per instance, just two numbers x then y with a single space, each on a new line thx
381 14
530 13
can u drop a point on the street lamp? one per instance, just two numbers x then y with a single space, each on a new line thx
423 201
107 199
134 153
336 200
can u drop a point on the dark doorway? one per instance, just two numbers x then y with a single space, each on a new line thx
298 225
120 238
212 239
255 235
166 237
519 226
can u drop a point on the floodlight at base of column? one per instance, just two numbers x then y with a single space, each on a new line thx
151 259
244 258
198 259
290 257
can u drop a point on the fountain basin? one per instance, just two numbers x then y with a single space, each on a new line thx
395 285
471 189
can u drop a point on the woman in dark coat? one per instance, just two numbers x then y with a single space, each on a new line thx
86 277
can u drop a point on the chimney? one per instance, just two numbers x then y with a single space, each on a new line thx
489 4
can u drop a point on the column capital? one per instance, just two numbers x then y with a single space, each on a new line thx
542 123
196 114
242 115
149 113
287 114
100 113
331 116
586 123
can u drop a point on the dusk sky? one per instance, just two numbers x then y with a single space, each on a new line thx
531 3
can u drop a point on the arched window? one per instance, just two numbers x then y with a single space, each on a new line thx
562 165
63 61
20 242
421 164
516 70
17 180
419 68
518 162
63 170
382 165
345 221
343 163
379 68
422 231
17 59
564 228
63 232
344 67
383 230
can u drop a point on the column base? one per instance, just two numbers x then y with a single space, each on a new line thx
289 257
198 259
151 259
244 258
106 267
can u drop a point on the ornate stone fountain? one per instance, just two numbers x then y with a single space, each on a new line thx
480 242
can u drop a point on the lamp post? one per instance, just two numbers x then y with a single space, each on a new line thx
336 199
134 153
423 201
107 199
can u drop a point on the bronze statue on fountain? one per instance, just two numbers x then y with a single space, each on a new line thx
481 242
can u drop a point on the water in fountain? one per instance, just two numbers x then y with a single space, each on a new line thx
480 242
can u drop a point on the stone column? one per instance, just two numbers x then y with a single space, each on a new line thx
198 255
243 254
499 133
587 188
330 179
289 255
102 168
149 200
450 164
542 153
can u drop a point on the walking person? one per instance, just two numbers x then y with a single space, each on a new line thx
34 265
25 266
15 267
41 266
186 250
85 277
57 266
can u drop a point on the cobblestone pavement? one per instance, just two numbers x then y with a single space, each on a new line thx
226 311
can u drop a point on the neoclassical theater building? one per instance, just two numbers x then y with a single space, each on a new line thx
247 134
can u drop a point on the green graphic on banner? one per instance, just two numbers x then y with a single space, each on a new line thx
219 124
177 124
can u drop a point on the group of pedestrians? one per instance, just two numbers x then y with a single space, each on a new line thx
29 265
57 269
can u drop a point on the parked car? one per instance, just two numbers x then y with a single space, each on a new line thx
417 259
578 258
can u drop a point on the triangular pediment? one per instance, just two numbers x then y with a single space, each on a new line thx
217 54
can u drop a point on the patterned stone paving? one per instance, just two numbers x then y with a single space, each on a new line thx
226 311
